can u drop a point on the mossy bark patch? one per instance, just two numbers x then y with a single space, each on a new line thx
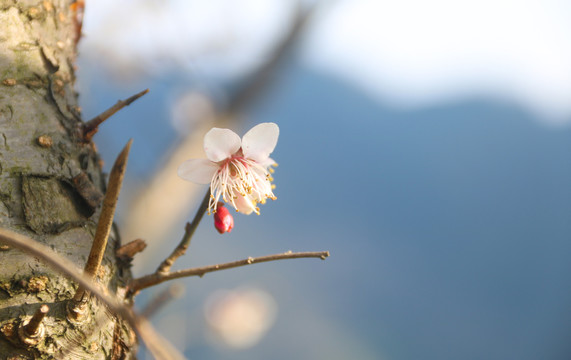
51 206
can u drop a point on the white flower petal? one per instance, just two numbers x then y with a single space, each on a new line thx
198 171
220 144
267 163
244 205
260 141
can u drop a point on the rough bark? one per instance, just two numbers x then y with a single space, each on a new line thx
50 187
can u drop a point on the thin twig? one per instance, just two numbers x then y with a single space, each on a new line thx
157 345
260 79
157 278
90 127
106 218
189 229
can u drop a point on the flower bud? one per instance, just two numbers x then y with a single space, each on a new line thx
223 220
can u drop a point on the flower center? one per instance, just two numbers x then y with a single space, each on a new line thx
242 182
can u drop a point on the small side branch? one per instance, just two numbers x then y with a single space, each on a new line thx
91 127
105 219
33 331
189 229
157 278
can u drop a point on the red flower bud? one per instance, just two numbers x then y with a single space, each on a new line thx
223 220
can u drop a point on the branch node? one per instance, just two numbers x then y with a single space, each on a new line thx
77 310
128 251
31 332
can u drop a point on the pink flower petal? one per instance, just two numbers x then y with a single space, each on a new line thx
198 171
220 144
244 205
268 162
260 141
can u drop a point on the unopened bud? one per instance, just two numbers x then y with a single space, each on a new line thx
223 220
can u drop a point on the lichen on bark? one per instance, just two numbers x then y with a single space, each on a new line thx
41 159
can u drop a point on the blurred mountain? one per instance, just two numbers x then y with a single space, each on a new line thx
448 225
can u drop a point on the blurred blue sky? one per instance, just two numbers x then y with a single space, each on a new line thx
448 222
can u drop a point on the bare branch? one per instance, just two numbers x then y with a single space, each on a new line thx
188 232
261 77
157 278
106 218
91 127
158 346
128 251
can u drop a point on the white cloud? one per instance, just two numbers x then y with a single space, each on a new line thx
406 52
205 38
414 52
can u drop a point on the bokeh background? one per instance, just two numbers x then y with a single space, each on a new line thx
426 145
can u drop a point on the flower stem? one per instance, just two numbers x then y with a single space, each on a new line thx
185 241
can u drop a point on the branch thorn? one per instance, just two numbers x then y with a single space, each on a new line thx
104 224
91 127
32 331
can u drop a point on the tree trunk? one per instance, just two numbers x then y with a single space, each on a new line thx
51 188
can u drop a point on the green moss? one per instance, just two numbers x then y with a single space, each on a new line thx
19 169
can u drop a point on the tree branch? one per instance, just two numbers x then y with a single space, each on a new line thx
157 278
261 77
91 127
189 229
157 345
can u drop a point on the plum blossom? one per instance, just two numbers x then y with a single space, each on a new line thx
238 170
